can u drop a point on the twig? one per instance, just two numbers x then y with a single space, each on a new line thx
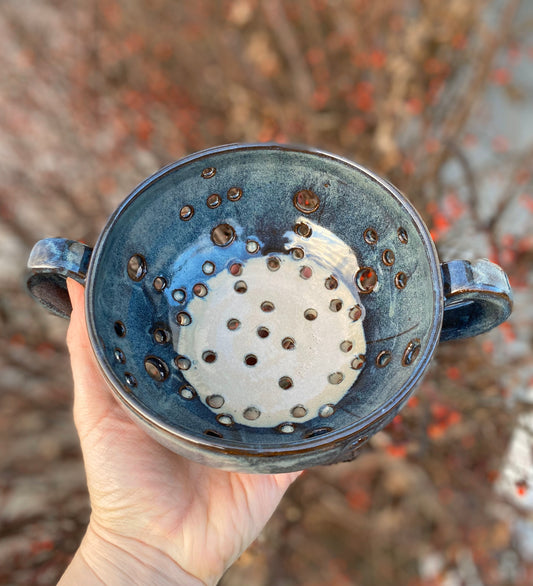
287 39
463 108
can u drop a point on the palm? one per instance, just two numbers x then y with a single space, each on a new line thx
201 517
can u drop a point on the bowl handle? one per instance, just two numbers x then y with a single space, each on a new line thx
477 298
51 261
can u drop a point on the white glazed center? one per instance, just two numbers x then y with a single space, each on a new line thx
278 343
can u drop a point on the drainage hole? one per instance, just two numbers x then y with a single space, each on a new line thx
223 235
212 433
400 280
179 295
252 246
267 306
285 382
331 283
233 324
159 284
355 312
208 267
251 413
336 378
286 428
136 267
310 314
187 392
371 236
288 343
250 360
215 401
366 279
235 269
306 201
183 318
297 253
306 272
131 381
358 362
156 368
120 329
303 230
383 358
213 201
346 346
186 213
200 290
182 362
240 287
161 336
411 352
119 356
319 431
225 419
299 411
234 193
326 410
209 356
263 332
388 257
273 263
335 305
403 236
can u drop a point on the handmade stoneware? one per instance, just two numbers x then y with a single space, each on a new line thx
266 308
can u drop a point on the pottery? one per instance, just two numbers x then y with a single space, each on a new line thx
266 308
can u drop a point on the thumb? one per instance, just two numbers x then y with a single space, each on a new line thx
92 398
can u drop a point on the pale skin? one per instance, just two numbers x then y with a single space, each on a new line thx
157 518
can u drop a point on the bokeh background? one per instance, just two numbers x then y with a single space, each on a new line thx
95 95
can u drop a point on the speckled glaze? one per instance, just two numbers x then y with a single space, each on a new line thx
266 308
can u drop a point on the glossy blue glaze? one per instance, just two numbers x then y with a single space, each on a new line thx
155 224
51 262
478 296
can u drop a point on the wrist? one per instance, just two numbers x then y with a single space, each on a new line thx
103 558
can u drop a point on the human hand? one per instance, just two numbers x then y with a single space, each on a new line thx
157 518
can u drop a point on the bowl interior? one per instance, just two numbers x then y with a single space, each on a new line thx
263 296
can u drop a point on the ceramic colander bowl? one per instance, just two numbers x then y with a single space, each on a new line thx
266 308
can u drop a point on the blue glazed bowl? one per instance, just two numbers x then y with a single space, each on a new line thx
266 308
